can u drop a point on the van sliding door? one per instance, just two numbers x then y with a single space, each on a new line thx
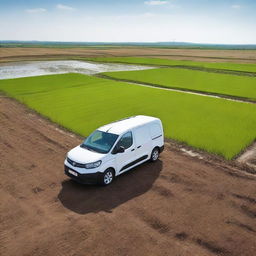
143 142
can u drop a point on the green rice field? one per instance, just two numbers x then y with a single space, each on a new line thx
82 103
224 84
166 62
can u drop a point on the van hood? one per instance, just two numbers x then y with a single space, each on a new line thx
83 155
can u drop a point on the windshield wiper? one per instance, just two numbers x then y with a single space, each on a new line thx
84 146
90 149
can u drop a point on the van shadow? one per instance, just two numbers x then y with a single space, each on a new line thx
84 199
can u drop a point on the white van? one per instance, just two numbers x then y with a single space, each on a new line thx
114 149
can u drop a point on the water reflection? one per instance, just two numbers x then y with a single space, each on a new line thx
36 68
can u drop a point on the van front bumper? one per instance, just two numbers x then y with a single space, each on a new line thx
88 178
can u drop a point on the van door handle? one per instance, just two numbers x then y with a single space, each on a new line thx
133 149
139 146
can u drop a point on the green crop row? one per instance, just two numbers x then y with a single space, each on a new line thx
82 103
225 84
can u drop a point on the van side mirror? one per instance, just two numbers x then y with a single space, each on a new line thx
120 149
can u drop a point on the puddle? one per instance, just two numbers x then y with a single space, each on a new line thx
37 68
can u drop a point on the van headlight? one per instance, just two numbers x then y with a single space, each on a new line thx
93 165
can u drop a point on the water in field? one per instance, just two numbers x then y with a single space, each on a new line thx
37 68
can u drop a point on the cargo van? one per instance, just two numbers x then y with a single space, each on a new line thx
114 149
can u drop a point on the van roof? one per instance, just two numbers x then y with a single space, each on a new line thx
120 126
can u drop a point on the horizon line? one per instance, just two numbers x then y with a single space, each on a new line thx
124 42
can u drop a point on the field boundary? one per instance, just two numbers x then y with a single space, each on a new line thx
177 89
212 158
198 68
178 146
195 56
42 103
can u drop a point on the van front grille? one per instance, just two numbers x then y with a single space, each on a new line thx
73 163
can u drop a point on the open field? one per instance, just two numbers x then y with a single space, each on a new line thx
179 63
177 206
82 103
223 84
240 56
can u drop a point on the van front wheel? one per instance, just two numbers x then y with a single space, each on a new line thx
154 155
107 177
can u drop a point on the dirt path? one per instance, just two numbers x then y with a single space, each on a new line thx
182 90
177 206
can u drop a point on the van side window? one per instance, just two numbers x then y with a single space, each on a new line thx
125 141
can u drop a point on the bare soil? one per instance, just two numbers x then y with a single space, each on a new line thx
248 157
180 205
16 54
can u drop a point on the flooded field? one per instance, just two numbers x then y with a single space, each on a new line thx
37 68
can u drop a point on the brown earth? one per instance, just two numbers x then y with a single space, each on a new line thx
178 206
16 54
249 156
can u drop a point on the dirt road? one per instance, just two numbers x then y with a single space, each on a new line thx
177 206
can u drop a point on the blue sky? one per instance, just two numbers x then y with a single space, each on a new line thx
202 21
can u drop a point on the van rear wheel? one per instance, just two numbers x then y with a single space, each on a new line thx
107 177
154 155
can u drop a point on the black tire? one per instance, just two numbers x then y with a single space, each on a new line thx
154 155
107 177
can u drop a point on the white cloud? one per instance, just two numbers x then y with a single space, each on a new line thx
236 6
155 2
64 7
36 10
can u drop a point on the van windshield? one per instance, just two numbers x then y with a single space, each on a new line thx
100 142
